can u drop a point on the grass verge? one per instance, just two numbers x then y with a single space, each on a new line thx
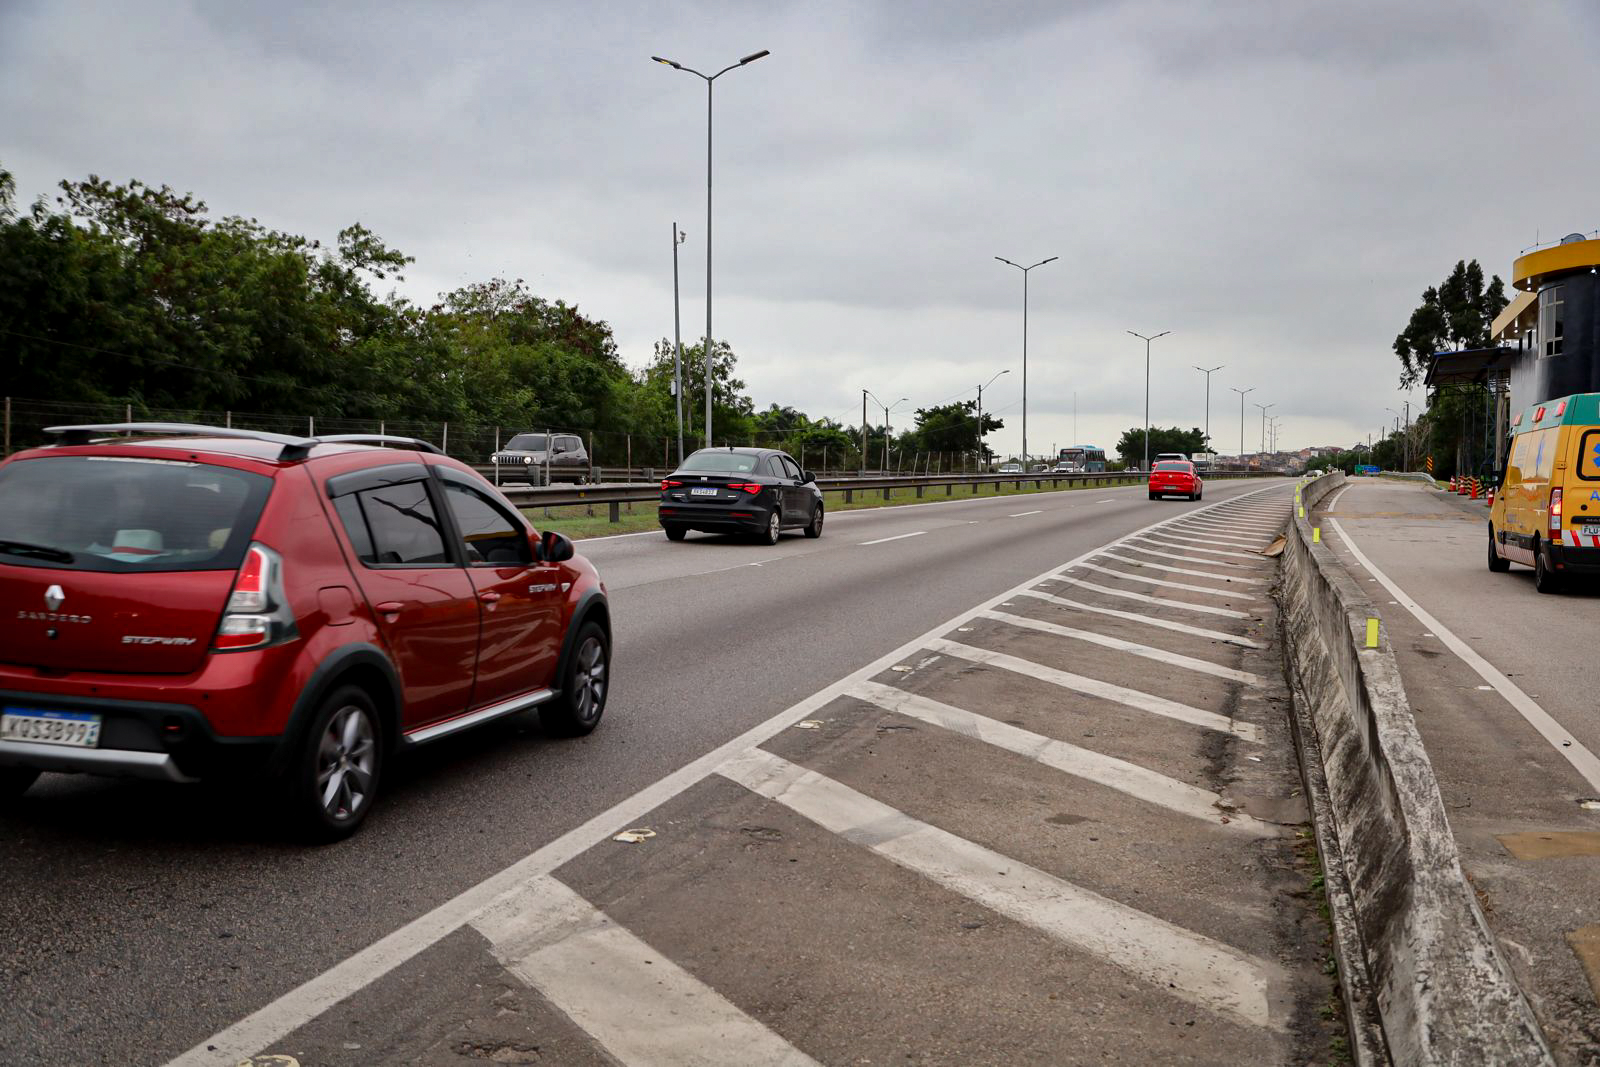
579 521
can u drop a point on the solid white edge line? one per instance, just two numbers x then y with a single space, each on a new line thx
1583 761
311 998
896 537
632 1000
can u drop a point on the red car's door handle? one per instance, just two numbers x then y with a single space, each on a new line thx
390 607
488 598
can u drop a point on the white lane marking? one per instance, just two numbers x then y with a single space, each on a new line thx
1334 499
1112 500
1142 580
896 537
1129 546
1194 544
1226 540
1117 694
1178 961
1184 570
1128 594
1229 529
1160 655
1560 738
638 1005
1020 514
315 996
1113 773
1148 620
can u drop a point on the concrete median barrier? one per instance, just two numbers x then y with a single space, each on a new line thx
1424 981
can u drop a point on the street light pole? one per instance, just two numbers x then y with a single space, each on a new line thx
1241 393
709 79
886 409
981 388
1025 271
677 339
1208 373
1264 408
1147 341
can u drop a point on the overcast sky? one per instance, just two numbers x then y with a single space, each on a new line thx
1273 182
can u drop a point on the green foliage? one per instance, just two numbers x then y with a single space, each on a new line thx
1172 439
1455 315
948 428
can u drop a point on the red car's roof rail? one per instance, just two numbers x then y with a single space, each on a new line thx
382 439
293 448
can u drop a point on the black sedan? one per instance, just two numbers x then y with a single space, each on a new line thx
755 491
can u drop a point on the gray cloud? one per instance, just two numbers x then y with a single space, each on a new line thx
1276 183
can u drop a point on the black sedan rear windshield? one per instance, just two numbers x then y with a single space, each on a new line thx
712 460
127 513
1173 465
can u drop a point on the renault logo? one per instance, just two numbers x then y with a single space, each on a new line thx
54 598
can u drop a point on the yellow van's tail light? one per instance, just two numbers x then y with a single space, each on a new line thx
1555 515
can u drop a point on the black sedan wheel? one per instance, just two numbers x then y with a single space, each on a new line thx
676 533
769 536
814 527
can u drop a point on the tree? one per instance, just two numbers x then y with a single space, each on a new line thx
948 428
1131 445
732 411
1455 315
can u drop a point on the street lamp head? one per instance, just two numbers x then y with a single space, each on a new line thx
668 62
1052 259
1006 261
751 58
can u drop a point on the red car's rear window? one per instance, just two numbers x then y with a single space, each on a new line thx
1174 465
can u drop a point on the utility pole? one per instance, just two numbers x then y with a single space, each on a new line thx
863 433
981 388
677 340
1264 408
1209 446
1241 393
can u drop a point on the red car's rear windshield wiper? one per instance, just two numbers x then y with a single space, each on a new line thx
45 552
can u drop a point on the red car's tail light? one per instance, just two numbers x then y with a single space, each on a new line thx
257 613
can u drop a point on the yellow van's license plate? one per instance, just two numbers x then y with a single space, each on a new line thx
1589 529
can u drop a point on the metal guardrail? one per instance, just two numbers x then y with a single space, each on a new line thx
618 493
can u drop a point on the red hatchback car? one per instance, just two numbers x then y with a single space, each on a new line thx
194 602
1172 477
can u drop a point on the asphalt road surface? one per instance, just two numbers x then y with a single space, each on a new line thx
142 918
1503 681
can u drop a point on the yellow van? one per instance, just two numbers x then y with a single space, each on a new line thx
1546 511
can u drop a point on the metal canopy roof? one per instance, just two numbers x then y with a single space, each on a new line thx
1472 366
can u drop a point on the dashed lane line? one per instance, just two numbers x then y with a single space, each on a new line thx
1160 655
1021 514
896 537
1129 546
1572 750
1117 694
1091 766
1141 579
1184 570
1147 620
1128 594
1188 965
315 996
638 1005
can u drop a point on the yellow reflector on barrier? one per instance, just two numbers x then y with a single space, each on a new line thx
1316 535
1372 633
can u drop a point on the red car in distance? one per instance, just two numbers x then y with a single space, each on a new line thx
1173 477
